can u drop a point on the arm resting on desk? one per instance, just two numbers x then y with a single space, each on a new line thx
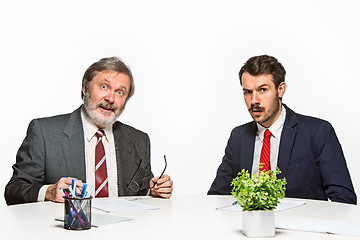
28 172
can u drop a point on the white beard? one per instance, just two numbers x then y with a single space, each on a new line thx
90 108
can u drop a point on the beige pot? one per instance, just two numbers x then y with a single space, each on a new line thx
258 223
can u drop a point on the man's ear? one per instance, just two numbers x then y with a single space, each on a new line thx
83 89
282 89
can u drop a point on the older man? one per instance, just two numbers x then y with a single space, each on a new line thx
89 145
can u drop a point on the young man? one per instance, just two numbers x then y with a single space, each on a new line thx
89 145
305 149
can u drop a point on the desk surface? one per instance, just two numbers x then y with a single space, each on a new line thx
181 217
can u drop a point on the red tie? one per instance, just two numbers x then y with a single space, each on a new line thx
265 152
101 180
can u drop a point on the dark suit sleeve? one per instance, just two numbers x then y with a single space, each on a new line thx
28 172
224 175
146 166
331 162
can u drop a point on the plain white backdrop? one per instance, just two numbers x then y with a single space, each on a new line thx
185 57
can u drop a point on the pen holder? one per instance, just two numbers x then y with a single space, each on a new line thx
77 214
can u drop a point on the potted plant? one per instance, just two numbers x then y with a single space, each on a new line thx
258 196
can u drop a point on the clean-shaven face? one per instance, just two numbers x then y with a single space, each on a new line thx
262 98
106 97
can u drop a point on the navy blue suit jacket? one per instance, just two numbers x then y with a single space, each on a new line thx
310 157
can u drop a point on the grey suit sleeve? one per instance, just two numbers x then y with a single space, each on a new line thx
28 172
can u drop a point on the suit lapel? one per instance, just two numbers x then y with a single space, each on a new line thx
287 141
248 145
123 153
74 147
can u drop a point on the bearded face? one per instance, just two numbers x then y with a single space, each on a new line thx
106 96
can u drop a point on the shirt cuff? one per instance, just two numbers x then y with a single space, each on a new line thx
42 193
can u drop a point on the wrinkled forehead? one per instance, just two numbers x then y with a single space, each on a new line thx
252 82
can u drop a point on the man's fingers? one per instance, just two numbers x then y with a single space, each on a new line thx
165 195
163 187
163 179
164 190
59 196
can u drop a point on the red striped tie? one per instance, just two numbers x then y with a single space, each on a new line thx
101 180
265 152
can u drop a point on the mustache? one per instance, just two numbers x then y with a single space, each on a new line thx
256 107
107 105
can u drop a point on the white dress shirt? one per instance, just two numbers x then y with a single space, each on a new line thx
275 129
90 142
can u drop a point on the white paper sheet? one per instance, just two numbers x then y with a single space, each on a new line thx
324 226
283 205
99 220
120 205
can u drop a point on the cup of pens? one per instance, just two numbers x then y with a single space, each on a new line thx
77 214
77 211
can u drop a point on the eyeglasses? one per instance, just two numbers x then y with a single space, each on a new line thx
154 183
134 186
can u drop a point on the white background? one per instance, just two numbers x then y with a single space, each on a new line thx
185 57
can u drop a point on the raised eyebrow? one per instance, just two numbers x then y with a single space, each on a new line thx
263 85
105 82
120 88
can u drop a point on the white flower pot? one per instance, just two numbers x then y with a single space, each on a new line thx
258 223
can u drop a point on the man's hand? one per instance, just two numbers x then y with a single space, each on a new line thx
53 192
162 187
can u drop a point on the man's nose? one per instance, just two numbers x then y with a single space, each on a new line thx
110 96
255 98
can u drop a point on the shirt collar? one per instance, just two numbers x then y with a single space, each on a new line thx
275 128
90 128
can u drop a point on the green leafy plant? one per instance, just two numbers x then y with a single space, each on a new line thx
258 193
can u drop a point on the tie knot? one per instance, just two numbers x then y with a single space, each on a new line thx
267 133
100 133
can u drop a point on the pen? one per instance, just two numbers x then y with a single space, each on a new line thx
83 190
66 190
62 191
71 191
74 186
90 193
75 222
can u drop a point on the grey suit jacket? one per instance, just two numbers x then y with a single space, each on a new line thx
54 147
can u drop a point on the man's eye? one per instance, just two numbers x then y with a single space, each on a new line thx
263 90
103 87
120 92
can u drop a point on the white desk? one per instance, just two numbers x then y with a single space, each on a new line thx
181 217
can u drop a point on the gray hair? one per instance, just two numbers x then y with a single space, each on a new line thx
110 64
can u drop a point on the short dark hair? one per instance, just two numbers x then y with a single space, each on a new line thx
264 64
110 64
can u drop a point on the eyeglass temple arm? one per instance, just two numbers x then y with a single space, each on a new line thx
137 169
161 173
164 167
